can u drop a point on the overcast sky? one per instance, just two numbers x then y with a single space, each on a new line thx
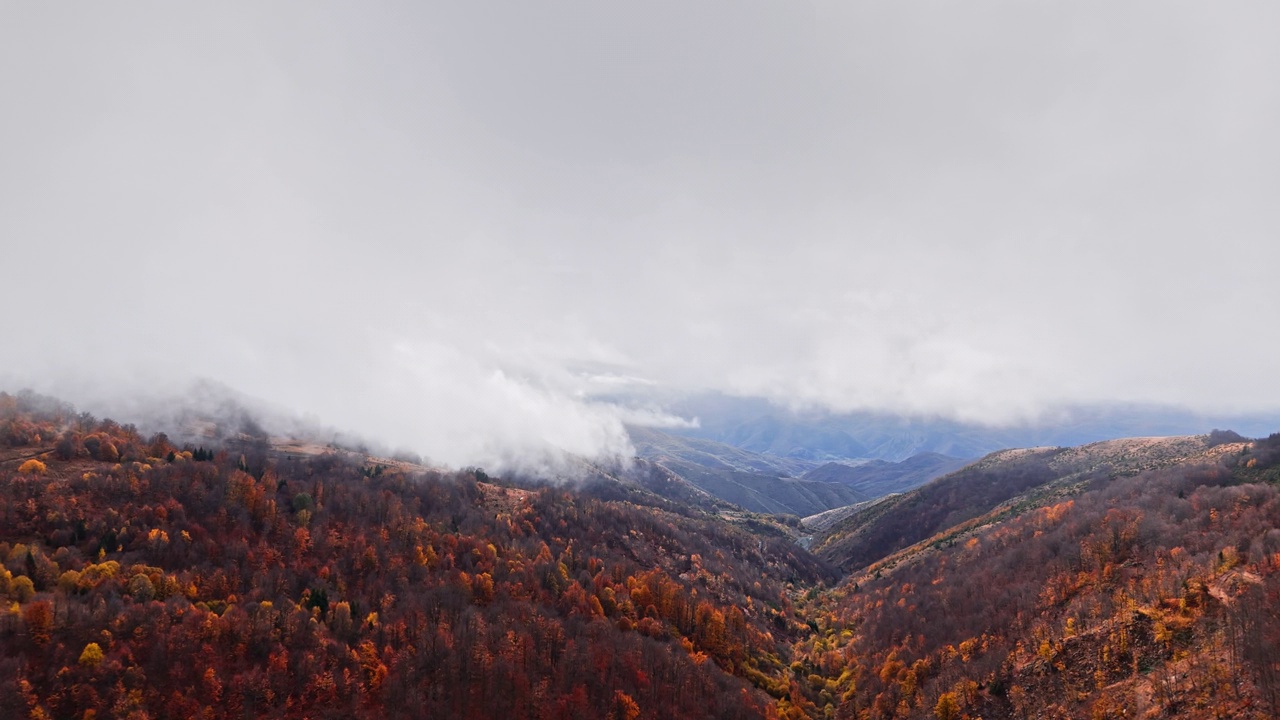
451 225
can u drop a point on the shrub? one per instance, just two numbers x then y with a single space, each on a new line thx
33 467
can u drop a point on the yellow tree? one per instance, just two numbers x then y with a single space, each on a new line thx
948 708
91 656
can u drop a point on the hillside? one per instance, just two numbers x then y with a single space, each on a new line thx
877 478
148 580
755 482
653 443
1143 593
823 521
1131 578
877 531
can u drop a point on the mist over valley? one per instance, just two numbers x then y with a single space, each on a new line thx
573 360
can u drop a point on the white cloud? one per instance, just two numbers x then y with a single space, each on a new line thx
425 221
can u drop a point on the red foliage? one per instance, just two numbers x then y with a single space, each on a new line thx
306 588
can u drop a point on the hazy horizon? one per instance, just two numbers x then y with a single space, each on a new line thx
468 230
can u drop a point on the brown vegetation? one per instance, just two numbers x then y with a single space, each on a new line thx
316 587
143 579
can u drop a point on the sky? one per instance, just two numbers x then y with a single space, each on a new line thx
456 227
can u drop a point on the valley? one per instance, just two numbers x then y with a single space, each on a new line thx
639 361
1132 577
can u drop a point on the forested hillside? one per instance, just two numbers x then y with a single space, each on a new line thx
1002 483
144 578
1152 595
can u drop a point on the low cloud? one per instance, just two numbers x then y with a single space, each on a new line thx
472 233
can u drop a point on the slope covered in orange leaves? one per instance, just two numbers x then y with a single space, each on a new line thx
1148 595
142 582
141 579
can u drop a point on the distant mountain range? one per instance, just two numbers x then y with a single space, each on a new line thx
753 481
759 426
766 483
881 477
767 459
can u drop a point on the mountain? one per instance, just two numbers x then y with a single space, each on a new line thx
877 531
753 481
146 579
252 576
764 493
821 522
651 443
779 437
881 477
760 426
1129 579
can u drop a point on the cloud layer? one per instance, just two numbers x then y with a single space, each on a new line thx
448 225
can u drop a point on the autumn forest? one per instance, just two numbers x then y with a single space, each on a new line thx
147 577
